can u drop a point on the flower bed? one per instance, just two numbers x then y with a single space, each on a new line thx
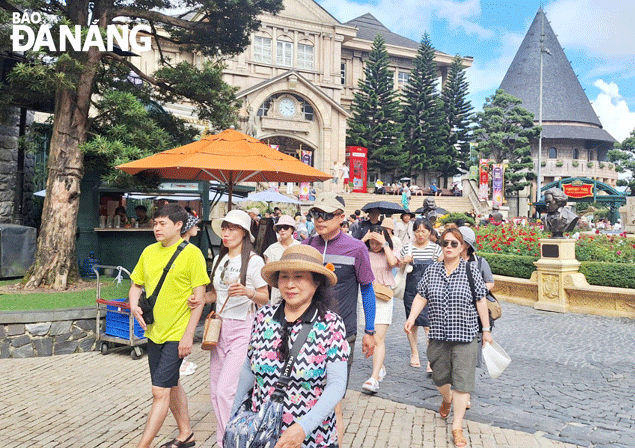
607 260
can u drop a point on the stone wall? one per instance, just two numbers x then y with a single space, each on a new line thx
8 162
26 334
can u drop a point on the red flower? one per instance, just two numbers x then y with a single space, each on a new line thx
597 231
619 252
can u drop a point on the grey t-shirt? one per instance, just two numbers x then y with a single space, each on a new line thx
483 266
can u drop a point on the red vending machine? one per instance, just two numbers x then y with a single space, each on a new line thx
357 161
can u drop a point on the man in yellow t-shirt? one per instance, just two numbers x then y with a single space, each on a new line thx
171 336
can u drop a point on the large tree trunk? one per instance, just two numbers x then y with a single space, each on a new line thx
55 262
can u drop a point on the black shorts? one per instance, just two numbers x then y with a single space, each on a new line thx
164 363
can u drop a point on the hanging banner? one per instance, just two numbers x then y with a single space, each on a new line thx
307 157
304 191
483 183
497 184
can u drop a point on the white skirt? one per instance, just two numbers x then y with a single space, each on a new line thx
383 311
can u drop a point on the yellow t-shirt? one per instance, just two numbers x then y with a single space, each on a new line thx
171 313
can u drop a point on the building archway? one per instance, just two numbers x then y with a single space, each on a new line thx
292 146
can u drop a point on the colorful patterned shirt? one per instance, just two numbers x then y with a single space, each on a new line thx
325 343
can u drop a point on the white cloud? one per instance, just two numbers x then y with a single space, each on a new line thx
607 26
613 111
412 18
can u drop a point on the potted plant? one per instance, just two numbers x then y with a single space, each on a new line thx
589 164
575 164
543 163
601 165
559 163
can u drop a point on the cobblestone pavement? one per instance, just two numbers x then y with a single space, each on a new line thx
571 377
92 401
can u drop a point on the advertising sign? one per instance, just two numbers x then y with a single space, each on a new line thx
307 158
304 191
483 183
497 184
578 190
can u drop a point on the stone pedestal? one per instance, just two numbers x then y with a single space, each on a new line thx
627 213
556 269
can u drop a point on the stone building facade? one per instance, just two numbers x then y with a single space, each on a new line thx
297 78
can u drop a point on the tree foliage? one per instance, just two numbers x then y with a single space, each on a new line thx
503 133
213 28
623 155
458 114
375 114
424 128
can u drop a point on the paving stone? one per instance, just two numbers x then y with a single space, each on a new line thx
65 348
15 329
26 351
20 341
61 327
38 329
78 333
43 346
63 337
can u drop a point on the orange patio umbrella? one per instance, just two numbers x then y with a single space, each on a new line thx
229 157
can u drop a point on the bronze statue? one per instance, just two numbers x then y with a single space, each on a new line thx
429 209
559 217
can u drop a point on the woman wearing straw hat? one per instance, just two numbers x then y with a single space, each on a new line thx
285 227
237 288
318 378
453 347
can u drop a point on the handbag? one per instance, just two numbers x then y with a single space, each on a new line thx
400 278
493 306
262 429
382 292
213 323
147 303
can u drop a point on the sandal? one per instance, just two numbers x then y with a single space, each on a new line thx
444 410
175 443
414 364
459 439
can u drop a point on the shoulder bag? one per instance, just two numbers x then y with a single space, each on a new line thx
262 429
147 303
493 306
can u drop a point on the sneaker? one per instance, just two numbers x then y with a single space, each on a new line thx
382 373
371 385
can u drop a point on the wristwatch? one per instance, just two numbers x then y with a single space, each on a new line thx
386 244
488 329
370 332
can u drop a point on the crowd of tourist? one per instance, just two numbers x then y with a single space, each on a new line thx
315 270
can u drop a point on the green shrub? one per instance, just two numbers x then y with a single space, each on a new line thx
452 217
543 163
619 275
589 164
575 164
601 165
510 265
559 163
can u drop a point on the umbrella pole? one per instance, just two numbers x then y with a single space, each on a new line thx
229 195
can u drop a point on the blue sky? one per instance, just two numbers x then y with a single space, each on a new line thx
598 37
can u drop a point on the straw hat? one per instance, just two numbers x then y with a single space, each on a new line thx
236 217
388 223
286 220
301 257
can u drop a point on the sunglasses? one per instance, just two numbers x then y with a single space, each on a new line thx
319 214
284 227
453 243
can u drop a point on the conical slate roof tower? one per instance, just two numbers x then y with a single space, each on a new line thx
566 110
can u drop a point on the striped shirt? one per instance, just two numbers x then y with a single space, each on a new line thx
431 252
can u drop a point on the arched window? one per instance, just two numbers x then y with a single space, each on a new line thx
284 51
553 153
576 153
590 151
304 57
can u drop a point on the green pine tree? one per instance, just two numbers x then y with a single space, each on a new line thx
424 128
374 121
458 112
623 155
504 132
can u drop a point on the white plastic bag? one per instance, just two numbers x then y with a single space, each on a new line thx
496 359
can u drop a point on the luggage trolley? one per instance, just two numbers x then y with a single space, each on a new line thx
121 326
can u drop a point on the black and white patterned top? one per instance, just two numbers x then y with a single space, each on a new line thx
325 343
451 310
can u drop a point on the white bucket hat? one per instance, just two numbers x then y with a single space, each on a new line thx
236 217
